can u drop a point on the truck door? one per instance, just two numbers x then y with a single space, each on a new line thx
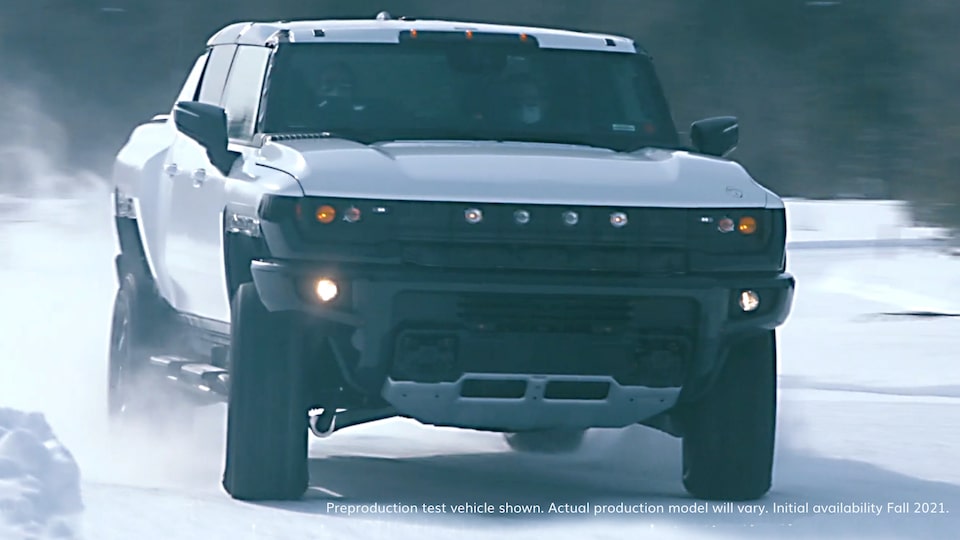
193 185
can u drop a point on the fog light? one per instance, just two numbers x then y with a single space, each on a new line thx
327 289
749 301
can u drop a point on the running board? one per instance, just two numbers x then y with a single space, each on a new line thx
203 380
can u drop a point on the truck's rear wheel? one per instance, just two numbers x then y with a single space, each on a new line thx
266 454
728 445
546 442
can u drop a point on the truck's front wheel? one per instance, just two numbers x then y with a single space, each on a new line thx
266 455
728 444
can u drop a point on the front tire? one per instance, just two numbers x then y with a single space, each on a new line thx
728 445
266 453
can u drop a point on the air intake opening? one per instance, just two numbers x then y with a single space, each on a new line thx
479 388
577 390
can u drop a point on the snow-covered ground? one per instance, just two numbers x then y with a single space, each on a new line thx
870 416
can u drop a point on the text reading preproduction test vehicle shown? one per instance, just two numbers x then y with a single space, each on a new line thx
470 225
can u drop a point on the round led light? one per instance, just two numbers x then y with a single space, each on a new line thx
618 219
725 225
522 217
327 289
749 301
473 215
326 214
747 225
352 215
571 218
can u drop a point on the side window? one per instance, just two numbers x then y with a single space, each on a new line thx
215 75
241 97
189 90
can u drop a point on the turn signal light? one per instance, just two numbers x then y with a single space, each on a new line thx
326 214
747 225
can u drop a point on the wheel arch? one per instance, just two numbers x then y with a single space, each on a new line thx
132 258
239 251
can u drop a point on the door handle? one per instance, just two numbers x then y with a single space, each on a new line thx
171 169
199 176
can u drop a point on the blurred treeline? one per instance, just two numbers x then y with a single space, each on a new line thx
837 98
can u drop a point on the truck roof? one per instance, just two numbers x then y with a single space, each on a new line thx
387 30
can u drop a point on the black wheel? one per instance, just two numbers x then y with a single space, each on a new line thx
266 455
138 397
546 442
728 444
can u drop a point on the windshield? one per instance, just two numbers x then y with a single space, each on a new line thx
443 90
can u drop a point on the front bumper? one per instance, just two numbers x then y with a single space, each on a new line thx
524 333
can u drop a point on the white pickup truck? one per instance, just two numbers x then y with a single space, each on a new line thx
471 225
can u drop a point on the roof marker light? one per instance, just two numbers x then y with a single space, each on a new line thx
571 218
522 217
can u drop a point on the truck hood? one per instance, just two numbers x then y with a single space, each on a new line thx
494 172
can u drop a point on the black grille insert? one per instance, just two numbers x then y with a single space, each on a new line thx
592 390
545 313
501 389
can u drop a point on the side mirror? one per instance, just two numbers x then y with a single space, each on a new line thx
717 136
206 124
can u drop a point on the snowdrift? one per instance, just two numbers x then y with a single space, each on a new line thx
39 481
814 224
